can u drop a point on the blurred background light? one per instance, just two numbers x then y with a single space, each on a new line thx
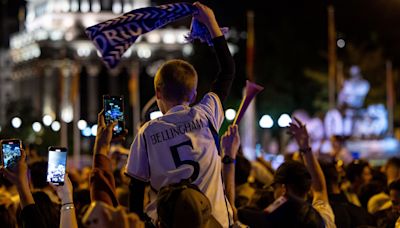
37 127
56 126
284 120
230 114
266 121
16 122
47 120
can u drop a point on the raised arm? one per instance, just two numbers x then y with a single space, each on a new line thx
298 130
68 215
226 73
230 142
30 214
102 183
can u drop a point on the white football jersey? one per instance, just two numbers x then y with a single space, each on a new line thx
180 145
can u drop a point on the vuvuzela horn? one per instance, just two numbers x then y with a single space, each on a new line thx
252 89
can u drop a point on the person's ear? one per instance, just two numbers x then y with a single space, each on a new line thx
193 97
158 93
284 189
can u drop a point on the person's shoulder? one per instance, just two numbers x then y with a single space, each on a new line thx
210 98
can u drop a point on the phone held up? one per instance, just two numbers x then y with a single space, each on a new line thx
57 164
10 152
114 111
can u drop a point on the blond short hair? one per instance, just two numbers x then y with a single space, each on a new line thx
176 79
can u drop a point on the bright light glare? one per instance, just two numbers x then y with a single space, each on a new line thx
56 126
82 124
67 114
266 121
47 120
284 120
230 114
36 126
169 38
155 115
16 122
341 43
94 130
87 132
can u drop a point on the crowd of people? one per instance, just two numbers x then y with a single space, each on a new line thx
180 173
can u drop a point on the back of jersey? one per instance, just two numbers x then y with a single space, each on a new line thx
180 145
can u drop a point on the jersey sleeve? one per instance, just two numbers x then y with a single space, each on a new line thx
211 104
138 162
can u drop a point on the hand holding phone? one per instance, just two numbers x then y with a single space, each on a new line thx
11 152
18 173
57 164
114 111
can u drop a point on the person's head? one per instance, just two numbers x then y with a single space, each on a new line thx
394 193
243 168
175 83
102 215
184 205
38 173
7 218
337 141
52 211
331 175
293 179
358 172
392 169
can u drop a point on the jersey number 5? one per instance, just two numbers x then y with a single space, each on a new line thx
178 162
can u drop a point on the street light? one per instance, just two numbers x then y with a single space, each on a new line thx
284 120
94 130
67 114
230 114
47 120
16 122
266 121
55 126
87 132
37 127
82 124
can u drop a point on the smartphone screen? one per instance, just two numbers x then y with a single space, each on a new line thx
57 163
114 111
11 150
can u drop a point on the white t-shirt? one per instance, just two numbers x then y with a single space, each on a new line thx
180 145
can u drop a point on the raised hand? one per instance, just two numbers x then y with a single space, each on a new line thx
206 16
104 135
65 192
299 131
230 141
18 175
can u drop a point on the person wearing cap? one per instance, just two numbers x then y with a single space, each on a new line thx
184 205
389 217
292 182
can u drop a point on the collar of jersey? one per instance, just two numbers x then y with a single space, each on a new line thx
177 109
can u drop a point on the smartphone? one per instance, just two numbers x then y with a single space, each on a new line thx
114 111
57 164
11 152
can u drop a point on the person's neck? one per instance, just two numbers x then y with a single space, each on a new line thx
297 197
169 105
